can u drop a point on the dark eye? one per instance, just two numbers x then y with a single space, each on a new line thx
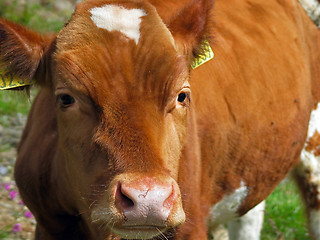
65 100
181 97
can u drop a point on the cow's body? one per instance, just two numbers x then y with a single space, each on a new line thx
226 150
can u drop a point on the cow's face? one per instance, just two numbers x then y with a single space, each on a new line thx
122 98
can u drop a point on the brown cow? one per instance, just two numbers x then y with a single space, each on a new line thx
117 146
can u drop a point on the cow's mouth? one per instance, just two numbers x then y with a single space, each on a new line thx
139 231
143 227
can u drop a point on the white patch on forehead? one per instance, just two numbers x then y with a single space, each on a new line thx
227 208
118 18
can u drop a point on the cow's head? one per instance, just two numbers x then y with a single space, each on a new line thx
120 79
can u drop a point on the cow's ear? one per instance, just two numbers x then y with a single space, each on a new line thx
23 53
189 23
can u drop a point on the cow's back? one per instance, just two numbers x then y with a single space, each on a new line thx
254 98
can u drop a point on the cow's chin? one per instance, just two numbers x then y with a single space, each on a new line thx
116 224
139 232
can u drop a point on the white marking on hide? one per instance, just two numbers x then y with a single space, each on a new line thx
311 166
248 226
227 208
118 18
310 162
315 223
309 169
314 123
312 7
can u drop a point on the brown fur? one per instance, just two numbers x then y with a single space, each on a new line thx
314 143
246 121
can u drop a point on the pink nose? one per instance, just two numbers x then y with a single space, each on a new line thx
145 202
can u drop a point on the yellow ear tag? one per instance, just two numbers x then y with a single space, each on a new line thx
204 57
8 81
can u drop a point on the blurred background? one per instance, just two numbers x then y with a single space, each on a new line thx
284 215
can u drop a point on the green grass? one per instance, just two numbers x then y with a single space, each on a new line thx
4 234
285 214
13 102
33 15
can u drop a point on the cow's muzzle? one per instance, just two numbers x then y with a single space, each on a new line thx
142 207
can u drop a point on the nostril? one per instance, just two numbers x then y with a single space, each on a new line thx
122 199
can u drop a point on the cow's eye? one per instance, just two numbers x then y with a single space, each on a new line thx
65 100
184 97
181 97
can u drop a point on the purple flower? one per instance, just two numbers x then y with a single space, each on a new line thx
13 194
7 186
21 202
28 214
17 228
